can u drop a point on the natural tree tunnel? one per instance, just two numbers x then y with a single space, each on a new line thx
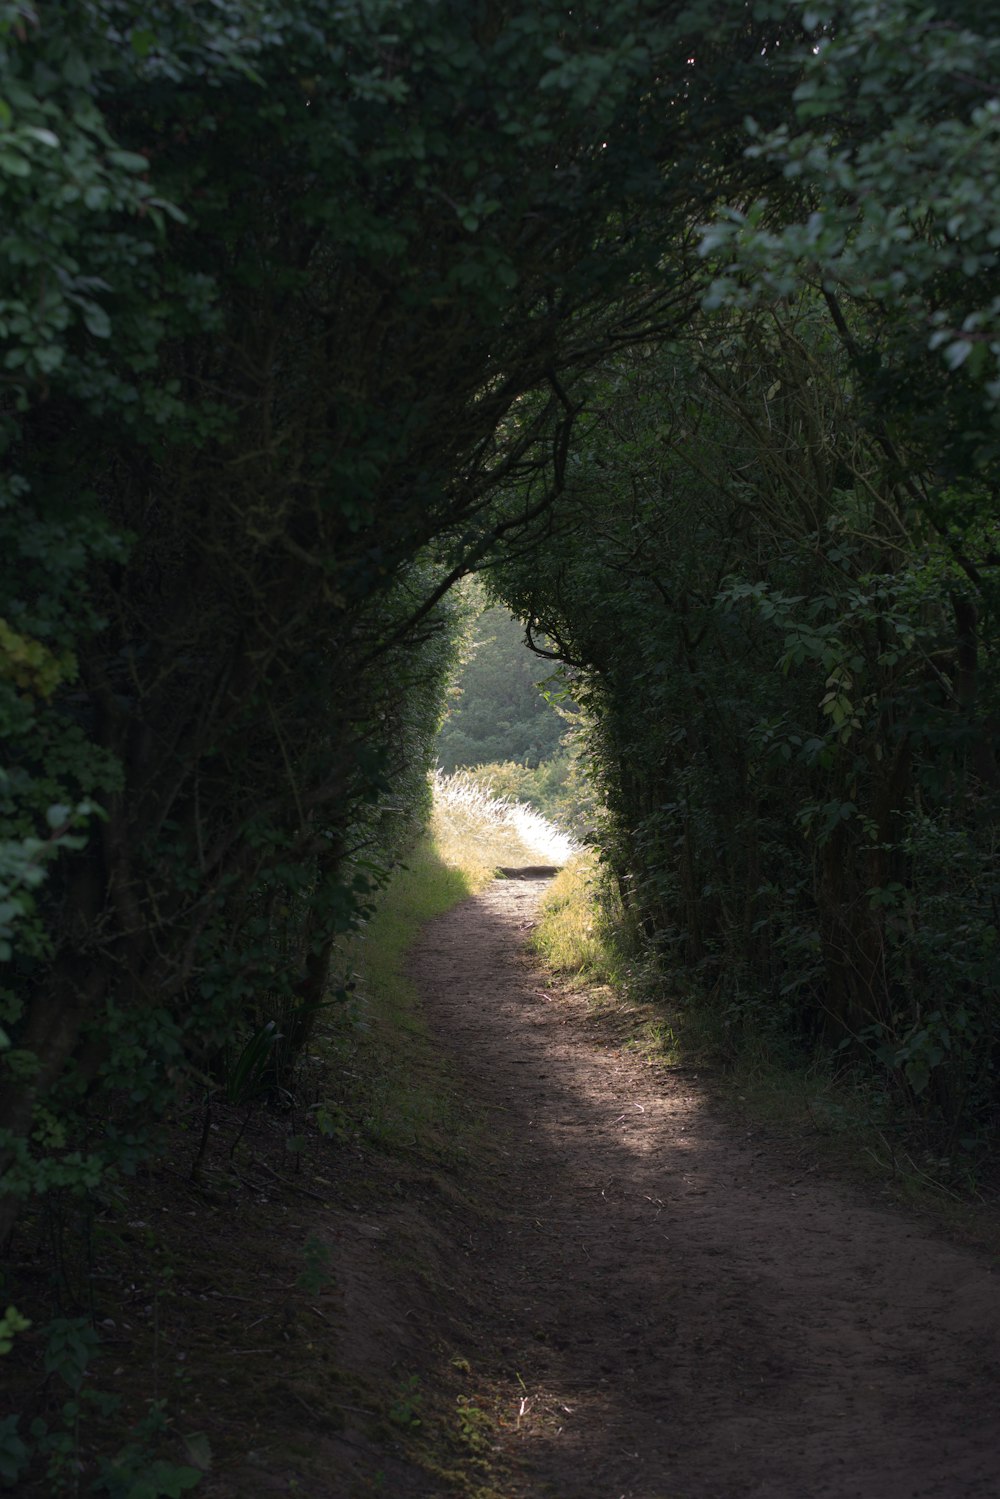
675 327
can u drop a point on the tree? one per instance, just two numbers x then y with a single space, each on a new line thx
891 157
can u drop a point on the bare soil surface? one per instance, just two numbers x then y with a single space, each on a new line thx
662 1305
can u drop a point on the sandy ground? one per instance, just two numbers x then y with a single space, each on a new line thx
672 1308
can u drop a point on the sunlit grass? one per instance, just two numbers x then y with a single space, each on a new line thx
477 832
574 934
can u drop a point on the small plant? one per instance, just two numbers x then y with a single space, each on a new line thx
330 1120
474 1429
245 1077
11 1323
71 1346
404 1410
137 1473
316 1274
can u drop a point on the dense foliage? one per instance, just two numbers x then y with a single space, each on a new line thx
496 711
786 630
289 291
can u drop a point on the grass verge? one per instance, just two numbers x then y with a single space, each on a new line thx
396 1086
575 932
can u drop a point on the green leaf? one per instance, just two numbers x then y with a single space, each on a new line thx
129 161
199 1450
46 137
143 41
76 71
97 321
170 209
14 164
957 353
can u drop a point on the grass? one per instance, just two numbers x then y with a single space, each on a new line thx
575 933
392 1073
476 831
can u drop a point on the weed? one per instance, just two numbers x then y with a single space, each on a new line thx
246 1075
655 1041
316 1274
474 1425
404 1411
135 1472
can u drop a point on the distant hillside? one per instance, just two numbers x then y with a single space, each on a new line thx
498 712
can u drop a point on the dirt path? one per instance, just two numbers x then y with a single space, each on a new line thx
672 1310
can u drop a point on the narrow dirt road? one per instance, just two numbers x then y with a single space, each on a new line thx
673 1310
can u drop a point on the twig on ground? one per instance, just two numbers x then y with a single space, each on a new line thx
292 1186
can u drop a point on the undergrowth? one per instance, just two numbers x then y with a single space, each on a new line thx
173 1290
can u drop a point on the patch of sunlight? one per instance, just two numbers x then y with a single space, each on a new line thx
478 831
542 836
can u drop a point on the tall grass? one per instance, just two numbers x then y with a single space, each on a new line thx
576 933
477 831
558 788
